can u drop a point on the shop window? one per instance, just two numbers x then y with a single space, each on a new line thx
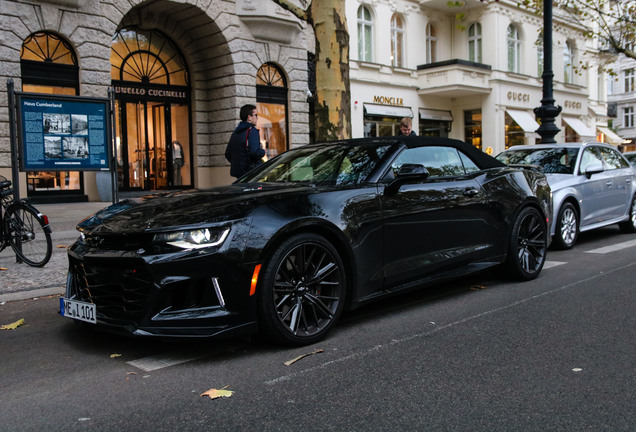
431 43
48 64
515 135
474 43
397 41
514 49
365 34
472 128
271 105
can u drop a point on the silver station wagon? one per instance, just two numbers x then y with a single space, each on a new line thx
592 185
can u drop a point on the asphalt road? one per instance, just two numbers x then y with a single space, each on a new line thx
481 354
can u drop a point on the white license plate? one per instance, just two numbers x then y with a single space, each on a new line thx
78 310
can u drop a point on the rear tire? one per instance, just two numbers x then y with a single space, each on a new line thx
27 235
629 226
302 291
528 245
567 227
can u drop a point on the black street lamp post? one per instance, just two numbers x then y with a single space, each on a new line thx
547 112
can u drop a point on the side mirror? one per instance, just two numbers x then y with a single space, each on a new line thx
408 173
592 169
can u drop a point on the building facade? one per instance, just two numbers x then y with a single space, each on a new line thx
621 89
179 70
476 79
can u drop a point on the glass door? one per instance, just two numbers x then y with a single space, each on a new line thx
141 145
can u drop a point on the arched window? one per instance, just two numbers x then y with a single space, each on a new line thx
148 57
365 35
474 42
48 64
271 106
397 41
568 63
514 49
431 43
151 82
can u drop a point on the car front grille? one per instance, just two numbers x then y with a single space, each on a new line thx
119 292
126 242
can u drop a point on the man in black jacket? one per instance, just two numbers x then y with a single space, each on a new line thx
244 150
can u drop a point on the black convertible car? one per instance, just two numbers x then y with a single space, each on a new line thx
314 231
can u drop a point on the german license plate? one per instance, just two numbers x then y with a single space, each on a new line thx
78 310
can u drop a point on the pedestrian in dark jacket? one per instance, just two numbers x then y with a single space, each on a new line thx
244 150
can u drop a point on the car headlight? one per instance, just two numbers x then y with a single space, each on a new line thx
194 239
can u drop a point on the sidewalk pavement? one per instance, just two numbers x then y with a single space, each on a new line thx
20 281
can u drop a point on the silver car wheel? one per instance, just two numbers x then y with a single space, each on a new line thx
568 226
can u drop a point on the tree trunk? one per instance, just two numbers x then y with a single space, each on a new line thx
332 101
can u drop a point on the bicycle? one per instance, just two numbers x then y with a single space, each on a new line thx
24 228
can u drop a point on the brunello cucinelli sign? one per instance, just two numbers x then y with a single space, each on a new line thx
146 92
388 100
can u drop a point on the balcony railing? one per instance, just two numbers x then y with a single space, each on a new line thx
452 78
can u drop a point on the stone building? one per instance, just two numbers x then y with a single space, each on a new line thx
179 70
621 91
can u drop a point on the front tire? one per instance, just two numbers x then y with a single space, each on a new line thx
567 227
629 226
528 245
302 291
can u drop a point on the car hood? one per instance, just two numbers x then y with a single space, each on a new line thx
161 212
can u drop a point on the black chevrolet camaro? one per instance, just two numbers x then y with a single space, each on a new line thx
316 230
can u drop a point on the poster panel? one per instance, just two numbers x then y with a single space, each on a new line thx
63 133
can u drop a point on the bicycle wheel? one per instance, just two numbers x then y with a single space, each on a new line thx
27 235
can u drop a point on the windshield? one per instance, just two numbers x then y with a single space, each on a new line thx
558 160
336 164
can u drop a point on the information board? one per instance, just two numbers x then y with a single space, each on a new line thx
63 133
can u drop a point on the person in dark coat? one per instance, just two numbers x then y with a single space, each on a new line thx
244 150
406 127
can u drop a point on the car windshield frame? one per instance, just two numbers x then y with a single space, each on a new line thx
330 165
552 160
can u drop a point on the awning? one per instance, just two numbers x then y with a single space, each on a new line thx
524 120
612 138
387 111
579 127
433 114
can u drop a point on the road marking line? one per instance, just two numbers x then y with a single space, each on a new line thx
550 264
164 360
368 351
613 248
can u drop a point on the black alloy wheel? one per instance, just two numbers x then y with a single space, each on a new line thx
629 226
567 227
528 244
302 291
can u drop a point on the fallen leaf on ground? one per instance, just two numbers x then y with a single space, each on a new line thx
12 326
3 268
215 393
292 361
115 355
61 246
477 287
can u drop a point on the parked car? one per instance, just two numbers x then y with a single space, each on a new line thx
313 231
631 158
592 186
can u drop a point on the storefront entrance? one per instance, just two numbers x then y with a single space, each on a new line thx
151 155
152 92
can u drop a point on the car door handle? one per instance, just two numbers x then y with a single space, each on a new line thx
470 192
